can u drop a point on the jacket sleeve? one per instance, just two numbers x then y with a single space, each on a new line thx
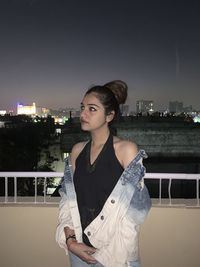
64 220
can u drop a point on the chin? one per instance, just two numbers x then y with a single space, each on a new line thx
84 127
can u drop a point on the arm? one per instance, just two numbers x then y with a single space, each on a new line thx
65 222
126 151
65 226
65 234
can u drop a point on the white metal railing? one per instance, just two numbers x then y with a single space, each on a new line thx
35 175
45 199
171 177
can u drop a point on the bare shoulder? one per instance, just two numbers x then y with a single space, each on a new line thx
125 151
76 150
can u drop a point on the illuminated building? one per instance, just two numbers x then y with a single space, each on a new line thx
2 112
32 110
144 106
27 110
60 120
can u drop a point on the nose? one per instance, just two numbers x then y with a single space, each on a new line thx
83 114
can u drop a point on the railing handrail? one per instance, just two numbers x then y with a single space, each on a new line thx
181 176
148 175
31 174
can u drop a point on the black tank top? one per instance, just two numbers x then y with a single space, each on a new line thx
94 182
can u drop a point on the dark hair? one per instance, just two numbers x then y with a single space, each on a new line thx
111 95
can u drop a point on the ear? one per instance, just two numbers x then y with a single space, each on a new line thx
110 116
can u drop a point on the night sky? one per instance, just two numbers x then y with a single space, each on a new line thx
51 51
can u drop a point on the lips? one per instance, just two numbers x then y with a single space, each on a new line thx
84 121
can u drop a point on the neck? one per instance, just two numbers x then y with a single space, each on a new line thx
99 137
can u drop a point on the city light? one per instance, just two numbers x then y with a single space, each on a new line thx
196 119
27 110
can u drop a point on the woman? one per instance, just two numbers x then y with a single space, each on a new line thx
104 199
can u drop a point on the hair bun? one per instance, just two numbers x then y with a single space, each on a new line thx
119 89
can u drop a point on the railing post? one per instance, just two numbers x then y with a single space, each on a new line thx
160 191
169 191
45 186
35 189
197 190
15 189
6 189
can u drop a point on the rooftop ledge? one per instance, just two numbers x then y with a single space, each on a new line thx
169 237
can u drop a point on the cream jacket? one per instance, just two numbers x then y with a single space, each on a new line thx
114 232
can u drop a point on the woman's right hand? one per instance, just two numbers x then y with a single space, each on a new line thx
82 251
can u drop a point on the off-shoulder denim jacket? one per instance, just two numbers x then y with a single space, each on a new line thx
114 232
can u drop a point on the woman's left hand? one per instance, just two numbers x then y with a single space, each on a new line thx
82 251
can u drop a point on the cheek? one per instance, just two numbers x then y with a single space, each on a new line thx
101 119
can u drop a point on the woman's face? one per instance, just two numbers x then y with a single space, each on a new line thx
92 115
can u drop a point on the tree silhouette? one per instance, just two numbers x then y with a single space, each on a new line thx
20 147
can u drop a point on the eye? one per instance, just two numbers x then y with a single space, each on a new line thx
82 107
92 109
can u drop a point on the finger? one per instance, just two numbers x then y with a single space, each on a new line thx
88 258
91 250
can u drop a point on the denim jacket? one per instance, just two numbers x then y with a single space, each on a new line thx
114 232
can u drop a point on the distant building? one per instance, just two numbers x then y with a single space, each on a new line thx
62 115
42 112
4 121
188 109
124 110
32 110
2 112
64 112
27 110
2 124
175 107
145 106
77 114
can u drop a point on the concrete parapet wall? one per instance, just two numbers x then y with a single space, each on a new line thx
169 237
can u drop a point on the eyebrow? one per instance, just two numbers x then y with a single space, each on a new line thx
91 105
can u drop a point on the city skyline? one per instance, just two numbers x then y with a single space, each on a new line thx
130 108
142 105
52 51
